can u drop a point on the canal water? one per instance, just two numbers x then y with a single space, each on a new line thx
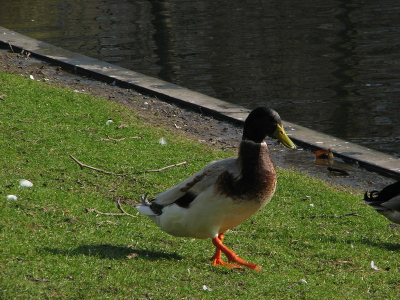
332 65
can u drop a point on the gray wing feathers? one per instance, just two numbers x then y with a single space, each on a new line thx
393 203
198 182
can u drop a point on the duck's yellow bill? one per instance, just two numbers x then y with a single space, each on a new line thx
281 135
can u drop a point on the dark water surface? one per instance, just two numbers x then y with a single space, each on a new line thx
333 66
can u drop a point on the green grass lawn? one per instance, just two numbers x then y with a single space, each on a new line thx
51 248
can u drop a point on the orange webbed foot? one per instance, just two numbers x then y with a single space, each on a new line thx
220 262
232 257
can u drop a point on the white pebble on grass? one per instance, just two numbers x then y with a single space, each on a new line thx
25 183
12 197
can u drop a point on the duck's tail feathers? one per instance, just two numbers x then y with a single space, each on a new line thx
146 210
144 207
144 201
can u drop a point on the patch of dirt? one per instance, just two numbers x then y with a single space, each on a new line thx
159 113
193 124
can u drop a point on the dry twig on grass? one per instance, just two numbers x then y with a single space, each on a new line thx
124 213
110 139
34 278
82 165
25 121
336 216
11 47
228 147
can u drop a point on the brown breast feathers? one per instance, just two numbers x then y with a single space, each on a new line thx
257 180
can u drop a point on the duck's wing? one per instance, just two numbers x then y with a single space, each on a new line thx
393 204
186 191
390 192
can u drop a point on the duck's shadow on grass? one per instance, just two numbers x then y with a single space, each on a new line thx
107 251
383 245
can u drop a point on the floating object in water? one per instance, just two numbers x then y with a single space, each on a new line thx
324 154
324 157
338 171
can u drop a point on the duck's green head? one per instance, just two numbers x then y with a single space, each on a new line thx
263 122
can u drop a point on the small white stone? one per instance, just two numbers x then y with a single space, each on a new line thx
25 183
12 197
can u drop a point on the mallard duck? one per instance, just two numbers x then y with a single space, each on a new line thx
386 202
226 192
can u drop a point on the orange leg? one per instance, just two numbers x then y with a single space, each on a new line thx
217 260
220 247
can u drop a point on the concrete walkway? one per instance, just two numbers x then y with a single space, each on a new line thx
82 65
